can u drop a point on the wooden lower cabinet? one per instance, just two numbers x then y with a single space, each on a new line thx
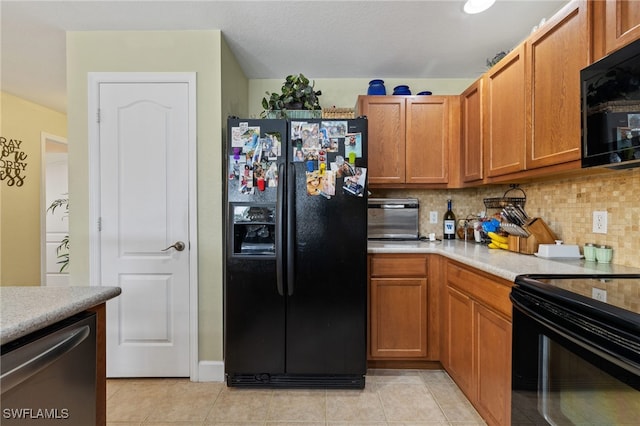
477 339
493 365
399 308
426 308
459 349
398 317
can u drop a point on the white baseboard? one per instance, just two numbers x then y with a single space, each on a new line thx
210 371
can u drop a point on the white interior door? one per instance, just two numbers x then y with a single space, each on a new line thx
144 226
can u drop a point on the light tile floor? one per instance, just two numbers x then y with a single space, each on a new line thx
390 397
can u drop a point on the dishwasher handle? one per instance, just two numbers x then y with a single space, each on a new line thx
50 348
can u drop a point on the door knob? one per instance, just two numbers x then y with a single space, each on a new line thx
178 245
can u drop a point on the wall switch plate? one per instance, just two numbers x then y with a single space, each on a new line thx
600 222
599 294
433 217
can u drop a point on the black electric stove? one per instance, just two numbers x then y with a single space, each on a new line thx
617 293
576 349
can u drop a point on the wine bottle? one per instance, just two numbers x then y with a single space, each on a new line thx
449 223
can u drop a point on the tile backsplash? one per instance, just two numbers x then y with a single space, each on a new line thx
565 204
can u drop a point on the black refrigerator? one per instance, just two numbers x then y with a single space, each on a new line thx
295 287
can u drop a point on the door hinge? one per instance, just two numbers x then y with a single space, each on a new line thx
98 115
99 224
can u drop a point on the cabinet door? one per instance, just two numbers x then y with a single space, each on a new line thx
504 96
472 133
621 23
558 51
493 366
398 318
459 339
386 151
427 143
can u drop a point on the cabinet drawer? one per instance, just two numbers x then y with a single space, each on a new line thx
489 291
401 265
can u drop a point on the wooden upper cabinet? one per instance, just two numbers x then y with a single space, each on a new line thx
386 137
471 127
615 24
411 138
504 113
531 100
427 143
558 51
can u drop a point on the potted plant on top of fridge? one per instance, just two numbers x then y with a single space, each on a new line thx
297 99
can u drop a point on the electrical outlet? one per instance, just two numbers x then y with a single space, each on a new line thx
599 294
600 222
433 217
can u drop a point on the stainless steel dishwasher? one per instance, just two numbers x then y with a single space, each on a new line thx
49 377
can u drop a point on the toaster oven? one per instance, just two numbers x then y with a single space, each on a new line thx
393 219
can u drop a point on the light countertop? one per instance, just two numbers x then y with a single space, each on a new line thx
502 263
27 309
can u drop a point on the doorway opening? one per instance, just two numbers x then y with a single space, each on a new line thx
54 221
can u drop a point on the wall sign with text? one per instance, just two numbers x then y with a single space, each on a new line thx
12 162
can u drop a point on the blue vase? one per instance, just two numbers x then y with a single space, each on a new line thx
401 90
376 87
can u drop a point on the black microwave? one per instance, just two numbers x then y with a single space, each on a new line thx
610 96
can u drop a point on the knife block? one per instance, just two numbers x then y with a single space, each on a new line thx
524 245
540 233
538 228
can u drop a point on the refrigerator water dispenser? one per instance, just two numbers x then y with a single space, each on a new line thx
254 230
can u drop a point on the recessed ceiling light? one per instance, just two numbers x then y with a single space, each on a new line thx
477 6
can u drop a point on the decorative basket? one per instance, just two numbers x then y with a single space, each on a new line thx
501 202
334 112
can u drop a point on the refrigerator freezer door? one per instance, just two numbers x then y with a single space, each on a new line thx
254 319
254 311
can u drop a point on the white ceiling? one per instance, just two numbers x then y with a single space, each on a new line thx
271 39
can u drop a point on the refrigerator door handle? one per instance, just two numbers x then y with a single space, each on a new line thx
280 209
291 227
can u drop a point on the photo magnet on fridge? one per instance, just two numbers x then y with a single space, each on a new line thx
298 154
335 129
243 134
314 183
246 180
355 184
353 143
271 144
308 133
341 167
272 175
328 184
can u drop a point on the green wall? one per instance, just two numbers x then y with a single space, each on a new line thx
154 51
